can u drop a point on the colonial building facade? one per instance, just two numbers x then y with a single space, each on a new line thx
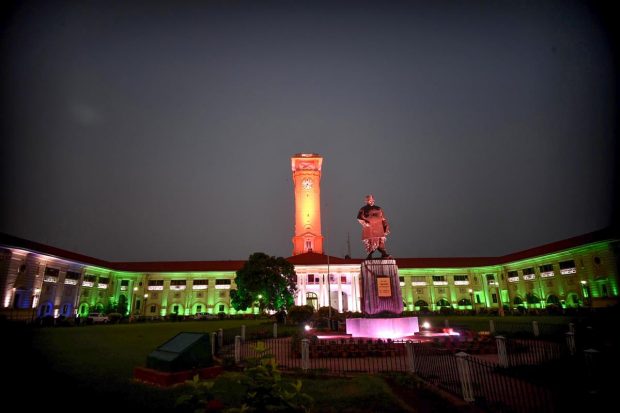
37 280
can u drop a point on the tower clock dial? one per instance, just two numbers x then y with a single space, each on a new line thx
306 184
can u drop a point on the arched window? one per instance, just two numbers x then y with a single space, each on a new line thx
421 303
313 300
518 300
531 298
553 299
463 302
443 303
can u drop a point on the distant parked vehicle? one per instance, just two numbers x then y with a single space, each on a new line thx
204 316
98 318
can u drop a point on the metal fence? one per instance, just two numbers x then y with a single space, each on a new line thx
495 391
517 377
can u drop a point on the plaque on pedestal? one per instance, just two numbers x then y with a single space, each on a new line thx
381 287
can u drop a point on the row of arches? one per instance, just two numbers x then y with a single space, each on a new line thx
529 299
463 302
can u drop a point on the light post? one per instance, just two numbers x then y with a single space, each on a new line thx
587 300
146 296
500 305
471 298
133 300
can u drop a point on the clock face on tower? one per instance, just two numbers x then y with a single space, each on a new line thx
306 184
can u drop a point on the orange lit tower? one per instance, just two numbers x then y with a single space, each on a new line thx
306 180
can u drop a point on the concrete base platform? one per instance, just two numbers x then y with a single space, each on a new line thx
382 327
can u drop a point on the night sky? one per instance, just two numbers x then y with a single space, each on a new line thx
152 131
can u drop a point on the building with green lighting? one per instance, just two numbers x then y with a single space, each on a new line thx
37 280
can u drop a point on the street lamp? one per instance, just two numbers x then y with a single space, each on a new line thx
144 309
471 298
133 300
586 293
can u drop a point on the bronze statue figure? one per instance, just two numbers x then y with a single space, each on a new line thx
374 228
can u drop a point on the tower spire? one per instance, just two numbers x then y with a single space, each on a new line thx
306 182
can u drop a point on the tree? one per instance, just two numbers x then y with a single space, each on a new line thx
270 281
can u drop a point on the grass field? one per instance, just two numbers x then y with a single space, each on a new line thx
91 367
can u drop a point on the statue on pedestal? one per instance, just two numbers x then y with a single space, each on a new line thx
375 228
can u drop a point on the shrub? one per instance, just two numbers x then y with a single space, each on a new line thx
115 317
554 309
446 311
385 314
324 313
300 313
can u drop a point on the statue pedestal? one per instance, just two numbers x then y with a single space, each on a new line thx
381 287
381 293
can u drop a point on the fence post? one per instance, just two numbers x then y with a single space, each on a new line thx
502 356
571 327
446 323
492 326
275 330
243 333
570 342
305 354
535 328
213 338
220 338
591 361
410 356
237 349
464 376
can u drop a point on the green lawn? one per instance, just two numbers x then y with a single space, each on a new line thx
91 367
113 351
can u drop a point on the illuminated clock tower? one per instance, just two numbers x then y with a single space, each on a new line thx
306 180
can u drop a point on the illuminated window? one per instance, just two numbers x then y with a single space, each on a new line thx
221 307
567 267
546 270
155 285
513 276
124 285
178 284
72 278
89 280
313 300
313 279
528 274
51 275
